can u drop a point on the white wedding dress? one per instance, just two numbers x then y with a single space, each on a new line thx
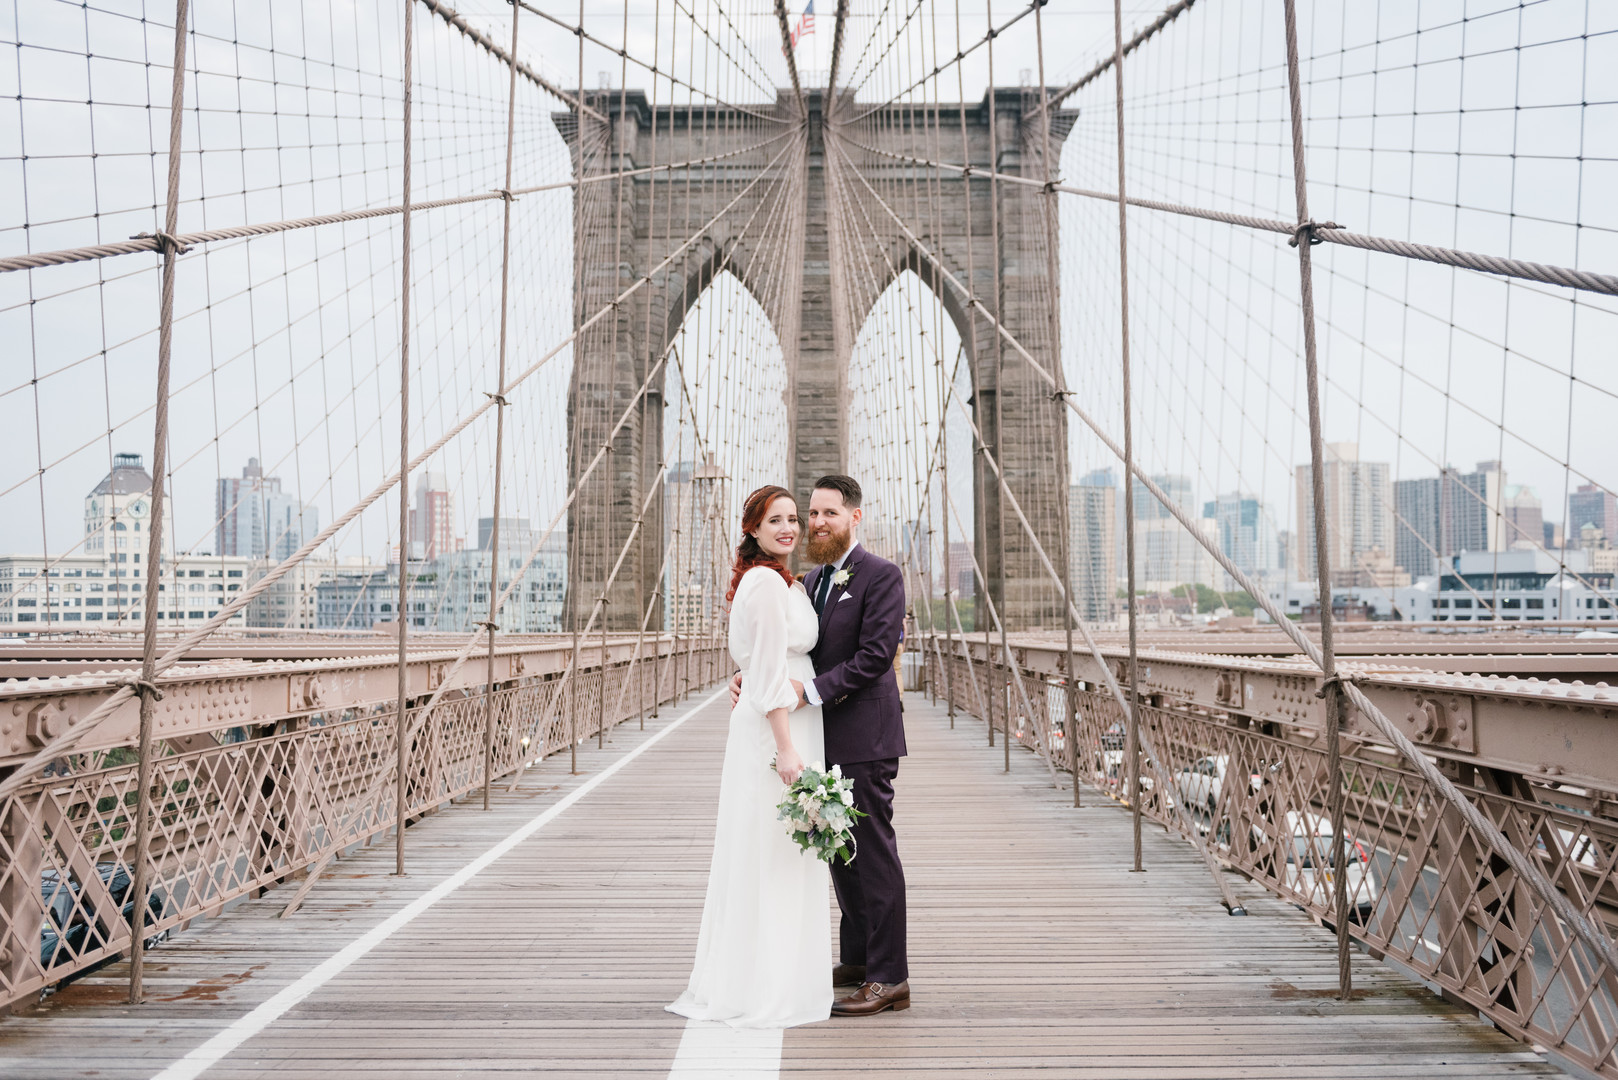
764 949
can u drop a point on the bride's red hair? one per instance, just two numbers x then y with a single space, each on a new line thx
748 553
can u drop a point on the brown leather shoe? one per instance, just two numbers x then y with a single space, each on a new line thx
872 998
848 974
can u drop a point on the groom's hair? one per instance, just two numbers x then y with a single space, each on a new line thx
846 486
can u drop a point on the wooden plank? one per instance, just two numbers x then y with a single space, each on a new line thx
1033 950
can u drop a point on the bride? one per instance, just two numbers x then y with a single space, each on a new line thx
764 948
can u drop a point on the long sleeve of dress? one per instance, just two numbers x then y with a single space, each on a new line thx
765 685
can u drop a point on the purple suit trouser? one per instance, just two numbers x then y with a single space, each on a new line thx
871 889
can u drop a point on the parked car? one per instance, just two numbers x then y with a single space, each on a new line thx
72 927
1307 871
1201 783
1114 761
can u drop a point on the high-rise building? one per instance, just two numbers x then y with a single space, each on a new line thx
358 595
117 531
1167 555
963 580
1171 547
117 515
696 500
1416 532
1093 547
432 519
461 585
1591 505
1524 517
1553 535
1473 508
916 549
1359 513
1442 516
517 536
1176 486
1246 531
255 519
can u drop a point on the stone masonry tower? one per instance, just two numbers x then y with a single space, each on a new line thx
783 241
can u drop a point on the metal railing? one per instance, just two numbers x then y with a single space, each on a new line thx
1425 891
240 810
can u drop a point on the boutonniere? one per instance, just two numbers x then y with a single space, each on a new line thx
841 577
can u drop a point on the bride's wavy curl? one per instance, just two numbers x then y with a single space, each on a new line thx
748 553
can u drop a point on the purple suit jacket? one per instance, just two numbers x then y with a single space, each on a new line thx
860 629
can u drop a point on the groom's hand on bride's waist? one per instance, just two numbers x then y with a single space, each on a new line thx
736 691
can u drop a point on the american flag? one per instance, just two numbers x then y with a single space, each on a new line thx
806 24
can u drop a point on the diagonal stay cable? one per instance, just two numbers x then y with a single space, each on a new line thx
540 541
1602 946
458 21
624 54
1546 273
792 60
238 232
1172 12
59 745
1154 759
992 33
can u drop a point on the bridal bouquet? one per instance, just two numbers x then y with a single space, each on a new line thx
819 811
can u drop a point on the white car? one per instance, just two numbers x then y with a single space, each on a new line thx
1199 784
1307 872
1114 761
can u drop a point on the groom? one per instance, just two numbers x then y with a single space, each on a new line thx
860 598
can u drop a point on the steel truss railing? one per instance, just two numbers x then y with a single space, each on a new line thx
1426 890
239 810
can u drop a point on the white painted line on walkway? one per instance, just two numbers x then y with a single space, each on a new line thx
715 1051
198 1060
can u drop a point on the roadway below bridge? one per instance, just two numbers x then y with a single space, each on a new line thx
544 937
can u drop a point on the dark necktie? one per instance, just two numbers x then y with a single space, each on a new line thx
822 587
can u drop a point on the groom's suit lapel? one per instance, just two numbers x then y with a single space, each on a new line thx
836 591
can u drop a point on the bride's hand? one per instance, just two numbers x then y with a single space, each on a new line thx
788 765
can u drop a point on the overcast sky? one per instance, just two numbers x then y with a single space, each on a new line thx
1497 132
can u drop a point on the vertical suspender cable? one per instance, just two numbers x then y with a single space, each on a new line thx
996 258
404 450
573 553
1133 752
140 874
979 478
1331 688
618 164
1064 494
648 352
500 417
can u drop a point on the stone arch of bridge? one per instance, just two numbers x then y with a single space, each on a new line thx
899 256
716 255
816 285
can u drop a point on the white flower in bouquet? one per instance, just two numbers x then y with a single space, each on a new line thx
820 814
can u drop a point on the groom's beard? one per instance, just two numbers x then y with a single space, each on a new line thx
824 550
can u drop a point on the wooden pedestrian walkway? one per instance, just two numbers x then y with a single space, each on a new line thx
1033 950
